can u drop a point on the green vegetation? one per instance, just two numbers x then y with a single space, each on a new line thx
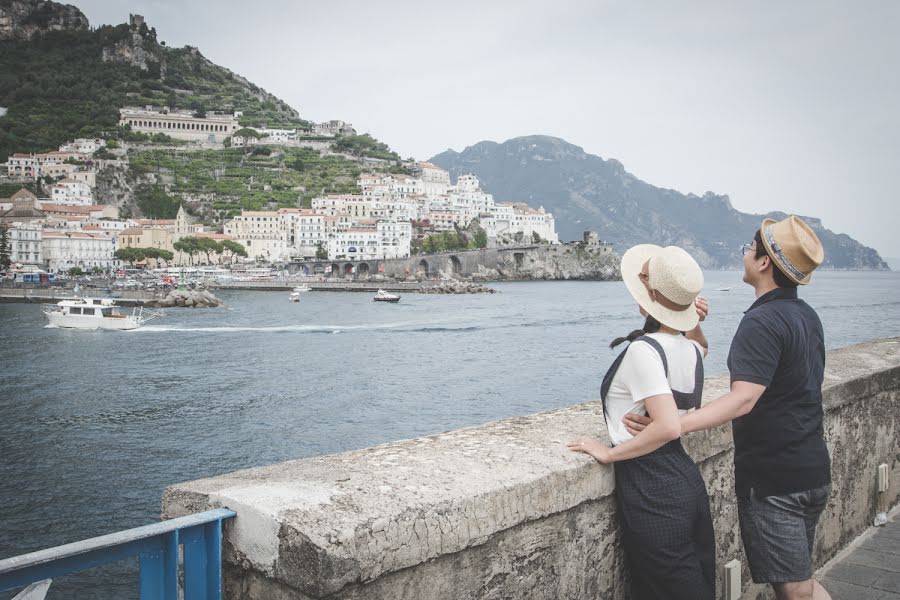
275 177
5 247
365 145
321 251
75 272
155 203
471 238
192 246
57 87
134 255
8 189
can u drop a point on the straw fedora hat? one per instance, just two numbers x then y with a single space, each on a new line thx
793 246
664 282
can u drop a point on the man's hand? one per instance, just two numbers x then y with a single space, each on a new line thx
595 448
635 423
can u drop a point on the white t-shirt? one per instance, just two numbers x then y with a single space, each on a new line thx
642 375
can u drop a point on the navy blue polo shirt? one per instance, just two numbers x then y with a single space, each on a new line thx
779 446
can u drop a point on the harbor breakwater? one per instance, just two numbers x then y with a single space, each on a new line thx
588 260
505 510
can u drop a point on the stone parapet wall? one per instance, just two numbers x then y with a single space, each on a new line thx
504 510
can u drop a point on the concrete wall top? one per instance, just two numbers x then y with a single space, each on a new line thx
318 524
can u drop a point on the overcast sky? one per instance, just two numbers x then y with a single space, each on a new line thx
788 106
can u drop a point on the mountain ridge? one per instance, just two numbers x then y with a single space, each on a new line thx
585 191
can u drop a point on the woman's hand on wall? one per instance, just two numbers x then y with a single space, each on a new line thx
595 448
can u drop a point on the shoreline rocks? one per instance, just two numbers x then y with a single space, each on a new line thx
457 287
190 299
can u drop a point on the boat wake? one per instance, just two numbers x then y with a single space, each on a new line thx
272 329
459 326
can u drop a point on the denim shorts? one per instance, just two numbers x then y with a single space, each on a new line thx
779 531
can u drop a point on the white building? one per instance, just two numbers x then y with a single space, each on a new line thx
25 244
84 145
71 192
509 220
304 230
333 128
385 240
180 124
63 250
278 135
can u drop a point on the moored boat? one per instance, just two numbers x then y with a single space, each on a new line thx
294 297
97 313
383 296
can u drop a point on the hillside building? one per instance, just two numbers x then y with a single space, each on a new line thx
180 124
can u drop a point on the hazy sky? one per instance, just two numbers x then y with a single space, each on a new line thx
787 106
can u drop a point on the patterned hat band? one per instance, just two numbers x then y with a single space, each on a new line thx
782 260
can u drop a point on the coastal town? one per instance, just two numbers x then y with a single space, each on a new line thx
390 215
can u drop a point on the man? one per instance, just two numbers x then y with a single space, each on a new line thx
777 360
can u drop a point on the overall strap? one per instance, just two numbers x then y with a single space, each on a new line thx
683 400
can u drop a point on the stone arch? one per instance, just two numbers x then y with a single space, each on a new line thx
318 269
348 269
455 265
335 270
363 268
422 267
520 259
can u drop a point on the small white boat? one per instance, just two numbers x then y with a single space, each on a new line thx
97 313
383 296
294 297
723 289
302 288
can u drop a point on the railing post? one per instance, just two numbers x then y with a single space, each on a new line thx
159 570
203 561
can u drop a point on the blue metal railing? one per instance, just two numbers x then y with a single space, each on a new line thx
157 545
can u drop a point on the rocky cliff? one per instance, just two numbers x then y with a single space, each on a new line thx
23 19
584 191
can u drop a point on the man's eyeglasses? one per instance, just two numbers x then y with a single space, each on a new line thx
746 248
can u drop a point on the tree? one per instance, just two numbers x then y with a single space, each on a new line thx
187 245
321 251
131 255
536 238
480 238
234 248
155 203
165 255
75 272
208 246
5 250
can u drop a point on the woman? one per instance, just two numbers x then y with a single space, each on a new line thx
666 524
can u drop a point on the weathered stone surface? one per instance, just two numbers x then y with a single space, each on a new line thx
190 298
504 510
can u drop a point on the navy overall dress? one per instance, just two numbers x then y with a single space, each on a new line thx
664 510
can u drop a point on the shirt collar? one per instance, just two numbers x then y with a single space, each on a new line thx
778 293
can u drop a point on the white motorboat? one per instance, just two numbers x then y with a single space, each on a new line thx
294 297
383 296
97 313
723 289
302 288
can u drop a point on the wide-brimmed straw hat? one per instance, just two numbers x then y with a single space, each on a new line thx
793 246
664 282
